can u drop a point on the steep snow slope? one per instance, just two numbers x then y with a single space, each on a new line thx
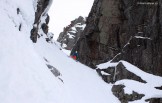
24 76
81 84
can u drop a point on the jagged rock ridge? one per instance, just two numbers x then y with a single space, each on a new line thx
71 33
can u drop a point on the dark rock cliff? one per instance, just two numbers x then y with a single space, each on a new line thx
127 30
71 33
41 20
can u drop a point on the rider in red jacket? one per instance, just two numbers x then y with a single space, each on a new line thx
75 55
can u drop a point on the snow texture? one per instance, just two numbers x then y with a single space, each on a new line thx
24 75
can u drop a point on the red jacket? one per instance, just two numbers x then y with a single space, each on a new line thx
74 57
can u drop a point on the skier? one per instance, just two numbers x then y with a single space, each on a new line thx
75 55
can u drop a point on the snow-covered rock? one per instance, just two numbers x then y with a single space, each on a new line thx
71 33
40 25
130 83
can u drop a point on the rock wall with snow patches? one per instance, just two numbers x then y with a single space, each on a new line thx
128 30
41 21
124 30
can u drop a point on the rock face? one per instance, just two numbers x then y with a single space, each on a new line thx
41 21
118 91
71 33
127 30
118 73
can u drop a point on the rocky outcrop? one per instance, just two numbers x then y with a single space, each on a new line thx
55 72
117 73
118 91
71 33
128 30
122 75
154 100
41 21
160 88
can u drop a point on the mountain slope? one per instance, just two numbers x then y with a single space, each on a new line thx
41 73
24 74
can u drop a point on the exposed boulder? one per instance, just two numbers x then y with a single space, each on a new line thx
122 73
55 72
71 33
154 100
160 88
118 91
118 73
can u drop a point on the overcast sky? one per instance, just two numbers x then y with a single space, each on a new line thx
64 11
